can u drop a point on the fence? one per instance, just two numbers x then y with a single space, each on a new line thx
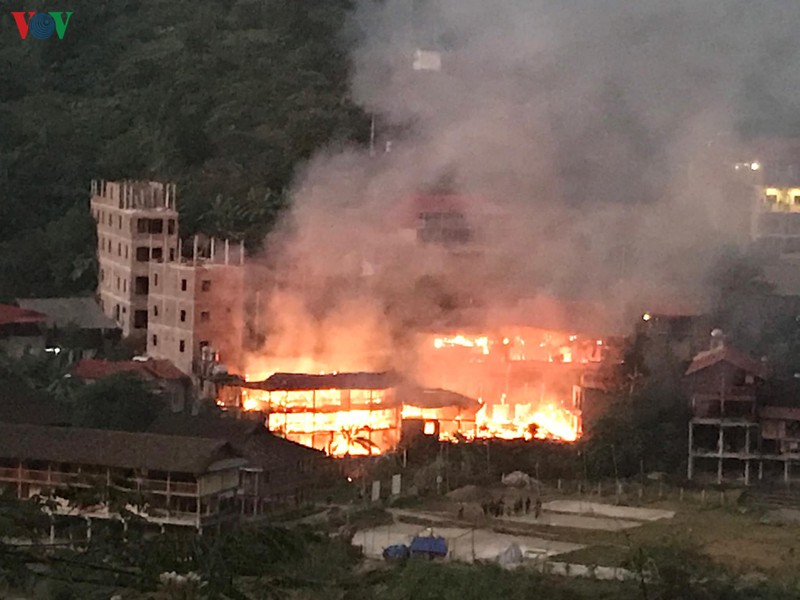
637 492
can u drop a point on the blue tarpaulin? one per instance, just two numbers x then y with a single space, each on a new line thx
430 545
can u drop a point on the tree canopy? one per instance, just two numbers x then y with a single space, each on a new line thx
224 97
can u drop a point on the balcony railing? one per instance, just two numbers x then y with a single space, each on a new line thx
58 478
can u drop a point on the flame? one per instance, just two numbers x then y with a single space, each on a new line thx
523 421
364 422
463 341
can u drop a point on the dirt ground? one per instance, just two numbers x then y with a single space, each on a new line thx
464 544
731 534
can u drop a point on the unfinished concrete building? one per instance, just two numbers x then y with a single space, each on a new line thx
743 427
196 307
724 426
137 222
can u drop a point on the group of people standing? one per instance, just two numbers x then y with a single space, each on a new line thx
498 508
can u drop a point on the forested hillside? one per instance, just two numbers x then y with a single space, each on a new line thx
224 97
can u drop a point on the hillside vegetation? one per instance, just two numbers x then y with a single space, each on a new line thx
224 97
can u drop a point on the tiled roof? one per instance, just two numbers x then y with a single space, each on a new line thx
730 355
117 449
93 368
14 315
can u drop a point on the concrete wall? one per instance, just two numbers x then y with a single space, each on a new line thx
192 305
127 244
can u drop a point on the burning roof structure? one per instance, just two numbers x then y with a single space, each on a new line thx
348 413
512 383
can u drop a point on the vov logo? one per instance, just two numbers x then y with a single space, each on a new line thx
42 26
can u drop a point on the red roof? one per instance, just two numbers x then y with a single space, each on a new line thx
730 355
92 368
10 315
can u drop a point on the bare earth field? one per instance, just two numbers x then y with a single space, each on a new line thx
594 531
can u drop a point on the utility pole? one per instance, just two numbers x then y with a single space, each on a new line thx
372 136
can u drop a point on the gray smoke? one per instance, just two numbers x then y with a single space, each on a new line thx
604 131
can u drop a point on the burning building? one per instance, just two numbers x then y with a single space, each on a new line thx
350 413
516 383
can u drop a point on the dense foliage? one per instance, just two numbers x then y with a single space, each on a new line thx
225 97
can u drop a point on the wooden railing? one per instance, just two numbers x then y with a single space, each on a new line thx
58 478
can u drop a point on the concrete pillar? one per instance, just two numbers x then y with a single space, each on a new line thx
690 467
747 472
786 471
719 470
760 470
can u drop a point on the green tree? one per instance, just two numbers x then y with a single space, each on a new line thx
123 402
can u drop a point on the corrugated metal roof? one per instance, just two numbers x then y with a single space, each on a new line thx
249 437
83 313
331 381
118 449
14 315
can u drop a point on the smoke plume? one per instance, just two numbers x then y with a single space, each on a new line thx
593 141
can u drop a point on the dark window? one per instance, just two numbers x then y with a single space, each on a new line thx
117 282
120 222
156 226
182 346
158 253
206 285
155 279
140 319
183 285
772 198
183 316
171 226
102 275
126 250
143 254
171 254
205 316
204 343
119 249
142 285
792 246
111 220
124 285
155 340
141 225
155 310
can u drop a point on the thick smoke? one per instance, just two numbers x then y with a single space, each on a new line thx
595 140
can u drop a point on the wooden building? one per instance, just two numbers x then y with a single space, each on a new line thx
165 480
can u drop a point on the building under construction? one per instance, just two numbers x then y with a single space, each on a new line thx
740 429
